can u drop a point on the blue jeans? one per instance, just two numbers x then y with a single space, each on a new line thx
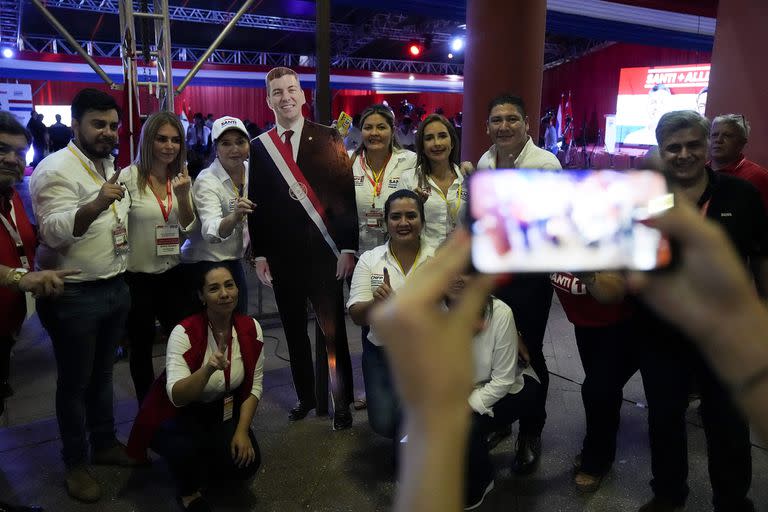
85 324
384 412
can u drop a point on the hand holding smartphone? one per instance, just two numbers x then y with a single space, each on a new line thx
576 220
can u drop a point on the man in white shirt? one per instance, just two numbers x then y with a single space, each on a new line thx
82 216
529 296
301 175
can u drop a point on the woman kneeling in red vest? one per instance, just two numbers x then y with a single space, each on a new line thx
198 413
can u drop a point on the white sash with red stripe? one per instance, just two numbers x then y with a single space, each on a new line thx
298 186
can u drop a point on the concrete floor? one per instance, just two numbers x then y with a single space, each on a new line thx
306 466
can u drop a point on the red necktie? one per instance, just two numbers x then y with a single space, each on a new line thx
288 135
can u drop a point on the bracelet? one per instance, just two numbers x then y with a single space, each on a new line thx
746 385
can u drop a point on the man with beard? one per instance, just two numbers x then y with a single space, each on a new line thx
529 296
82 220
668 357
300 174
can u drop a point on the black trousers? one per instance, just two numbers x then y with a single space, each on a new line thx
6 343
311 276
530 297
609 357
153 297
505 412
666 365
196 446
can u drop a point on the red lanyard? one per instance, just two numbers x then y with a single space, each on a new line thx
166 212
376 181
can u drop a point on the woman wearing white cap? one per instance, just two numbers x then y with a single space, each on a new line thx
222 206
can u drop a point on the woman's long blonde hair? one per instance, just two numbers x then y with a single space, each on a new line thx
145 155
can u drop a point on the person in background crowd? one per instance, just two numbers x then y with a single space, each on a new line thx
17 252
701 100
161 213
530 295
505 387
354 139
82 217
39 133
437 178
378 274
252 128
595 304
302 175
405 135
377 165
666 358
209 121
199 136
219 194
727 138
550 136
199 412
59 135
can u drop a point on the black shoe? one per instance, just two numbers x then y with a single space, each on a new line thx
342 419
197 505
660 505
497 436
6 507
300 411
528 452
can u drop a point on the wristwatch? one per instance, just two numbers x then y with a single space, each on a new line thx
15 275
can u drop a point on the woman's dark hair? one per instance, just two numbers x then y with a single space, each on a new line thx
385 112
206 269
423 165
404 194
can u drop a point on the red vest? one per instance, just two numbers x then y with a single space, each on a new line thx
157 407
12 302
581 308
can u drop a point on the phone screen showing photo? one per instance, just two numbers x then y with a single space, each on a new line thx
574 220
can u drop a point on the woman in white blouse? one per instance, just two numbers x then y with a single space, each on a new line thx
505 387
160 214
437 178
222 206
198 414
377 165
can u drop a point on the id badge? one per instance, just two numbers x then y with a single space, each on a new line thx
229 407
232 204
376 281
374 218
24 261
167 239
120 239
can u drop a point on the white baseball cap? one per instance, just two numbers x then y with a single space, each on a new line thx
225 123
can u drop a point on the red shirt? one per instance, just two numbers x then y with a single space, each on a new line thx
581 308
12 302
753 173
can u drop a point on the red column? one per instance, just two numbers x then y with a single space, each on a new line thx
739 78
504 53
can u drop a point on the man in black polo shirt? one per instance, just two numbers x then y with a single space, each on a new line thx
669 358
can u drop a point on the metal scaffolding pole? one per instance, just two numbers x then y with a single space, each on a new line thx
214 45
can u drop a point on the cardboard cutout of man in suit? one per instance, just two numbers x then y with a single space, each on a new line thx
304 236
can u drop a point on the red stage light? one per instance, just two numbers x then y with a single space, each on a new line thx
414 49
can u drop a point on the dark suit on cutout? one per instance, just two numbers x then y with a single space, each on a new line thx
302 264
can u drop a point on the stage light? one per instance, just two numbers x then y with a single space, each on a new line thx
7 53
450 55
411 77
415 49
457 44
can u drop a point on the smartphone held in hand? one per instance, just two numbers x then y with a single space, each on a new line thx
575 220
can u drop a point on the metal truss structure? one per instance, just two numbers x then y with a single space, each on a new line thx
10 22
241 57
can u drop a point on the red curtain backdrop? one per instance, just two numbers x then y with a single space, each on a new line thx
594 80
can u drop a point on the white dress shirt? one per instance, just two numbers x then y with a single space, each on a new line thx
369 275
145 215
297 127
215 197
495 353
60 185
442 212
401 161
176 366
531 157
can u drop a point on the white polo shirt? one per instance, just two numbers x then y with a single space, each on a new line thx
495 353
369 275
215 197
442 213
374 235
176 366
145 215
531 157
61 184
